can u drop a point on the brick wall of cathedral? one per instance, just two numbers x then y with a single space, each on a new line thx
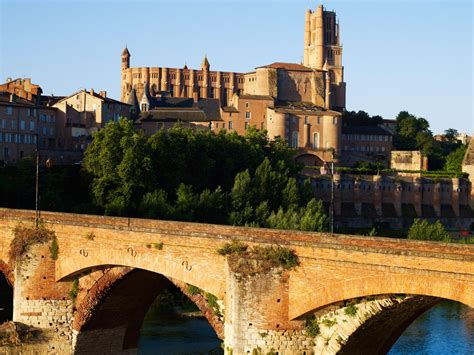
182 82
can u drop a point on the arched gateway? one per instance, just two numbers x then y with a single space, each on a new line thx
385 283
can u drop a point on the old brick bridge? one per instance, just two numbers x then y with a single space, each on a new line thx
362 291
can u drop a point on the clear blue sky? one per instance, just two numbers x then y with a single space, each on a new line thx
398 55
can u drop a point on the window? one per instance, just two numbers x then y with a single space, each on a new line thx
9 110
217 124
294 140
45 131
262 126
246 125
13 124
22 125
247 115
247 104
230 125
306 120
94 107
51 131
315 140
223 125
319 120
34 112
4 124
334 120
144 107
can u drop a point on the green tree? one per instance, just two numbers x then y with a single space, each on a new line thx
119 161
454 159
423 230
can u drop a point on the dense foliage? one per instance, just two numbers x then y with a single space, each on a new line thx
360 118
200 176
413 133
454 159
423 230
62 188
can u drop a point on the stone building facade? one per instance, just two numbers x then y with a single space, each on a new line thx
298 102
84 112
468 166
23 125
60 127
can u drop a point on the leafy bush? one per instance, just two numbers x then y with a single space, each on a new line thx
74 290
193 290
423 230
350 310
312 328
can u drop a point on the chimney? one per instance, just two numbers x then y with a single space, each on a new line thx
12 98
103 94
91 91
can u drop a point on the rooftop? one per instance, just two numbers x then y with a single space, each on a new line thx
286 66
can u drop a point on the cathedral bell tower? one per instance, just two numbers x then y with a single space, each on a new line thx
323 51
125 88
125 58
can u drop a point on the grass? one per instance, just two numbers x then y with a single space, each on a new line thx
158 246
25 237
212 302
281 256
74 290
54 249
257 259
329 322
234 247
193 290
90 236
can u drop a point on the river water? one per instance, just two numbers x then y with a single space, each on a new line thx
447 328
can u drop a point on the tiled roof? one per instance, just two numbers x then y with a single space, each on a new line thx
287 66
186 114
18 101
229 109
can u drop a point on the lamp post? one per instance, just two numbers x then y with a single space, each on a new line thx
37 183
332 198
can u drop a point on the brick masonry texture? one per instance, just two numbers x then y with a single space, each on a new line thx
267 310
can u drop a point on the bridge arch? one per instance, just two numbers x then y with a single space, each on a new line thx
454 289
201 271
114 307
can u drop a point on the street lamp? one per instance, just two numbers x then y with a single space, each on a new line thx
37 183
332 197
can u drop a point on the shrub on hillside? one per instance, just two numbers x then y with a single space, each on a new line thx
423 230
